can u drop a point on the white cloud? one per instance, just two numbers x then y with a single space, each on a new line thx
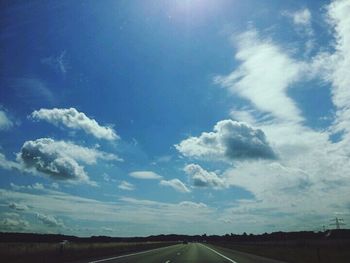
13 223
18 207
194 205
35 186
136 213
76 120
49 220
203 178
124 185
5 122
230 140
246 116
338 14
32 90
302 22
145 175
107 178
264 75
55 186
302 17
175 184
310 167
58 63
7 164
59 159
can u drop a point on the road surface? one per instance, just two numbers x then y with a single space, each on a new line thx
188 253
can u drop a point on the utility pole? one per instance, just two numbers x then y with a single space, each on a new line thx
338 222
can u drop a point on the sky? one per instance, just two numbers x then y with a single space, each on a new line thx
133 118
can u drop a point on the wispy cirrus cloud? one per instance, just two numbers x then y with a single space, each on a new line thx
73 119
261 82
338 63
58 63
124 185
302 20
5 122
31 90
8 164
176 184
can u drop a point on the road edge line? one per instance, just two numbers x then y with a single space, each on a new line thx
221 255
128 255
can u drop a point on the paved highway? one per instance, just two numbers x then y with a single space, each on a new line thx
188 253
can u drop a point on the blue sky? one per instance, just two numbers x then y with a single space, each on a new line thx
129 118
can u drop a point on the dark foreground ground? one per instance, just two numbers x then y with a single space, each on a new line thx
292 247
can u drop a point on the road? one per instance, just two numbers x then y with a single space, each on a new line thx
188 253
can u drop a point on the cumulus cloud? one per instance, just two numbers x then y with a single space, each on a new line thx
124 185
264 75
203 178
18 207
35 186
5 122
145 175
311 167
49 220
59 159
176 184
73 119
14 223
230 140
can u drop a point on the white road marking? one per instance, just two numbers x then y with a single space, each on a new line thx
221 255
128 255
168 261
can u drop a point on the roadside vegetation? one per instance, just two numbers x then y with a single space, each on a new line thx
70 251
301 251
302 246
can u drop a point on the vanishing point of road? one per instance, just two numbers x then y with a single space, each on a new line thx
188 253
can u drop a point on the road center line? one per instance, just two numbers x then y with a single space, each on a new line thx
128 255
221 255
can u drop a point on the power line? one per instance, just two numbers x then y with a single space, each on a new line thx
338 222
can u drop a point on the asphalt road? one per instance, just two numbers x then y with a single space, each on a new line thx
188 253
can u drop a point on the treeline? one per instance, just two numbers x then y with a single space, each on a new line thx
275 236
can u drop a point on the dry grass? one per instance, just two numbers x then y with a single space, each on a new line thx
335 251
54 252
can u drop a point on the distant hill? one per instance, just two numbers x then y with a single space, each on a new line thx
275 236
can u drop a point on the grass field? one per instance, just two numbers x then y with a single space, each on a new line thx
303 251
55 252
